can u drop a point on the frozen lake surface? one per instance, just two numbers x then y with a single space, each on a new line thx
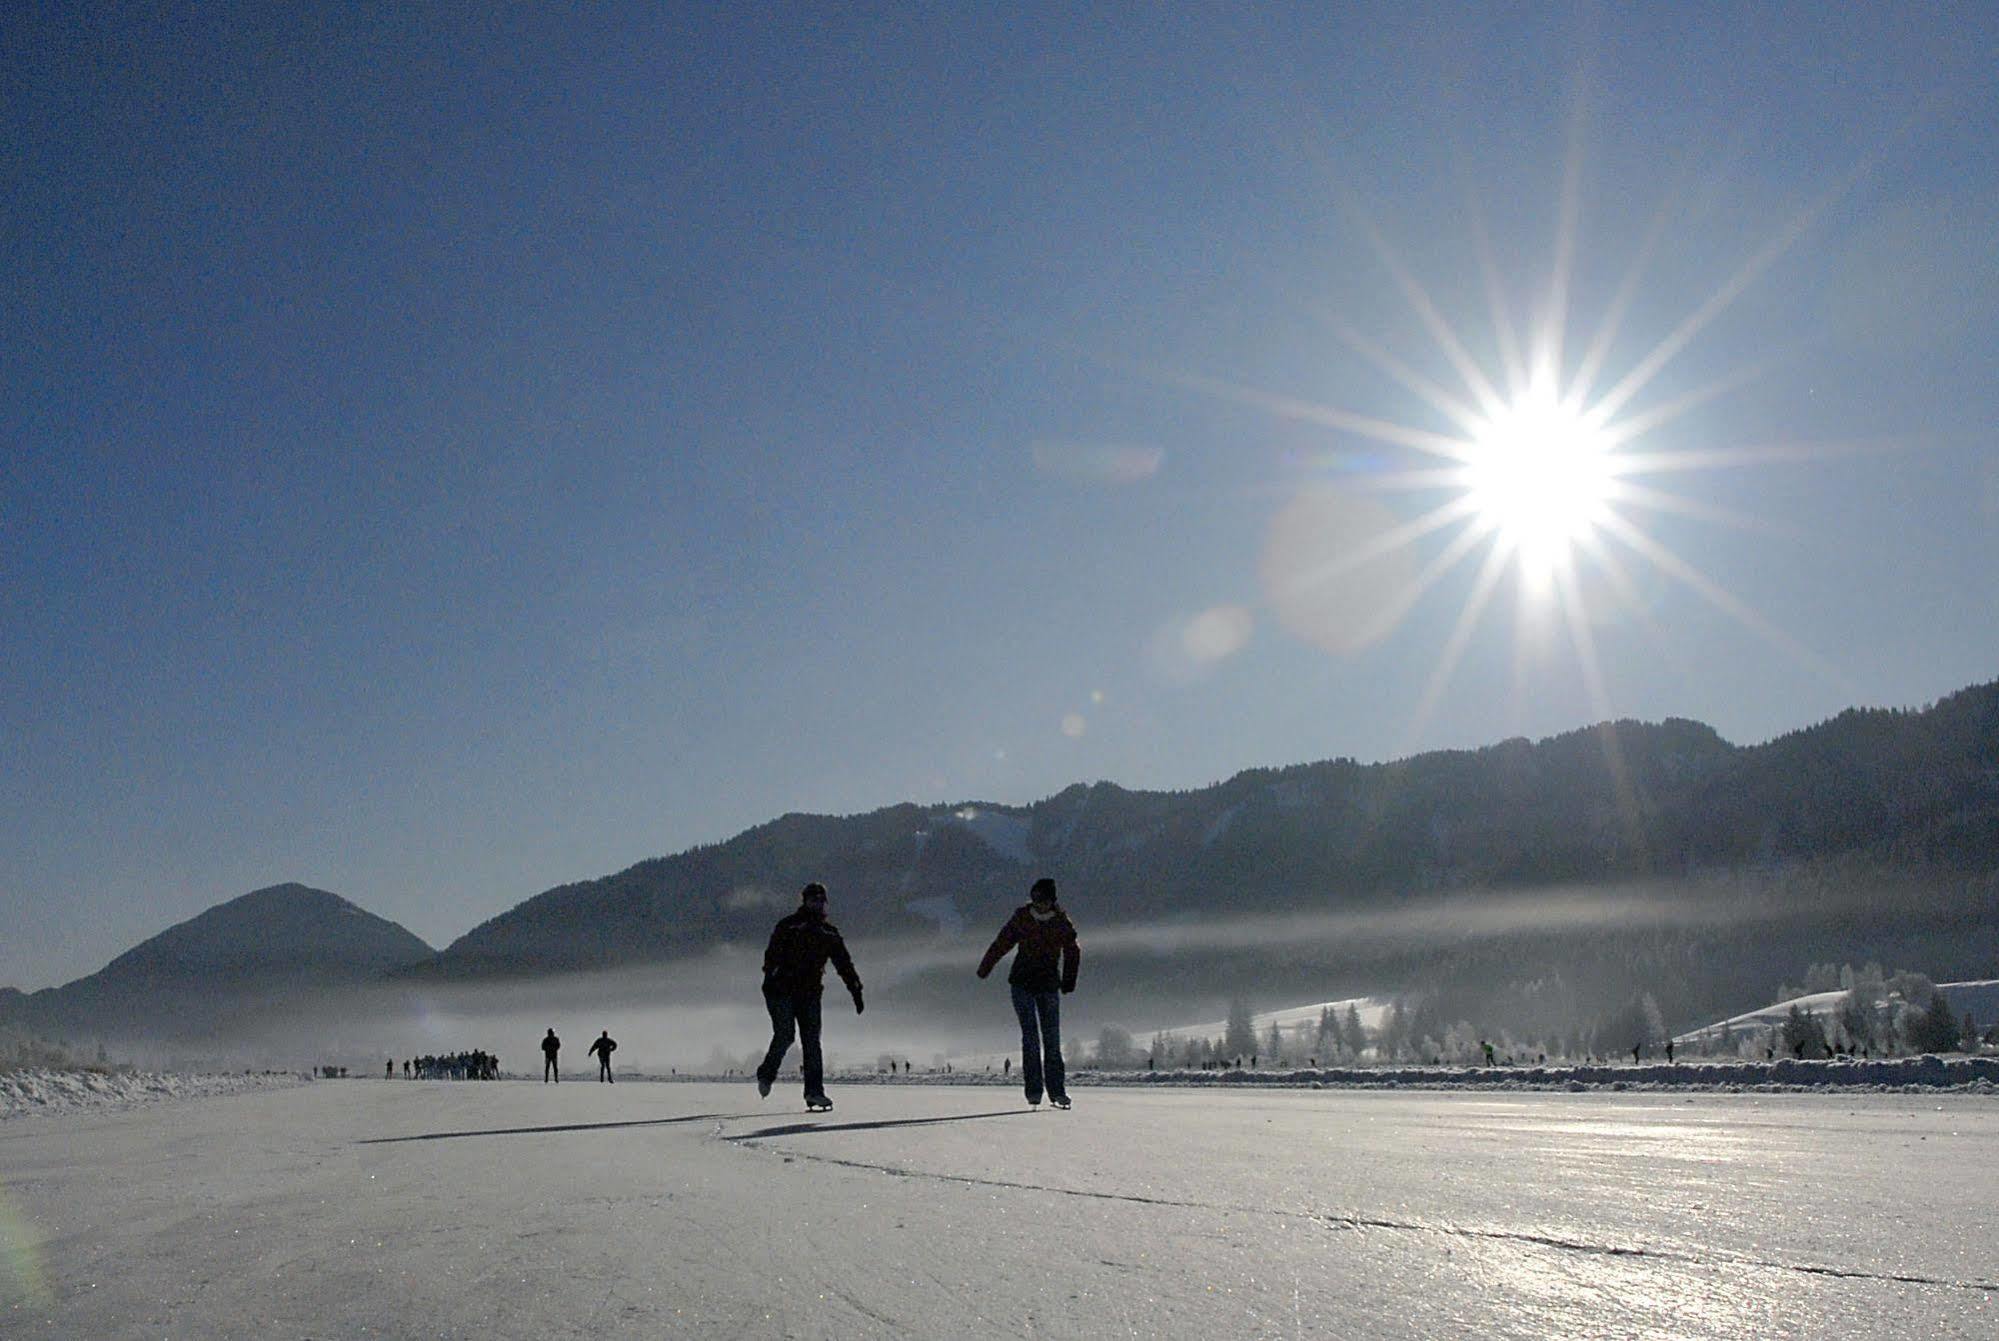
392 1208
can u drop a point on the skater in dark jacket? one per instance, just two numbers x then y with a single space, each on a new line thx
550 1046
1044 967
602 1050
794 981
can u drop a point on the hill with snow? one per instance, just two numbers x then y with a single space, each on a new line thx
1978 998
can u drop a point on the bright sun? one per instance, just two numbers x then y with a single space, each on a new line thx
1539 473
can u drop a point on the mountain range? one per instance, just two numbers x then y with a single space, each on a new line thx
1817 824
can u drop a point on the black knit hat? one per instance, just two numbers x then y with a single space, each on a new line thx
1044 888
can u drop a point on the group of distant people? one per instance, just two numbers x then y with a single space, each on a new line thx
1044 969
473 1065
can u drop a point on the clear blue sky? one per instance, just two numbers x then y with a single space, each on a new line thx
450 450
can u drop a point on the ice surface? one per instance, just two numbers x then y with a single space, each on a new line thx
364 1208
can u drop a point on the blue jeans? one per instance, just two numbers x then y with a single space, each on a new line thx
1040 1042
794 1014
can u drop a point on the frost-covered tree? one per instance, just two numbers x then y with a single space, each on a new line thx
1932 1028
1352 1033
1914 988
1854 1017
1655 1020
1239 1037
1114 1048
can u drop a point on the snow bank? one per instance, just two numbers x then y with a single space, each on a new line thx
42 1090
1974 1074
1925 1072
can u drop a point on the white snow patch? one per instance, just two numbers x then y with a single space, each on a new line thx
49 1091
1220 826
1005 834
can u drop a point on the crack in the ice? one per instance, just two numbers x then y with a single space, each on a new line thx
1653 1254
1405 1226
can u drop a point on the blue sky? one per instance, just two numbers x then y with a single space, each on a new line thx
445 453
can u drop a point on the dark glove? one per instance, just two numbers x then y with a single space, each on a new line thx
1067 988
860 1006
985 972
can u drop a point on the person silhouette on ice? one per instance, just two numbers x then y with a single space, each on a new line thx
1044 968
550 1045
794 982
602 1050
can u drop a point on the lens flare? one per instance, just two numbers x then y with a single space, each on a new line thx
21 1277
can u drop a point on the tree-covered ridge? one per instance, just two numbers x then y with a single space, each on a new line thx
1619 801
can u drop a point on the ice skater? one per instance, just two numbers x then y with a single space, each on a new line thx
1044 968
602 1050
794 982
550 1046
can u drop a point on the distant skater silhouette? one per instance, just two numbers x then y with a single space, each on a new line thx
1044 968
794 982
602 1050
550 1045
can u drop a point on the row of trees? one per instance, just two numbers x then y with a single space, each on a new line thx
1879 1015
1901 1013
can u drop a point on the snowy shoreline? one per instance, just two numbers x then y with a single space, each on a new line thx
47 1091
1971 1075
44 1090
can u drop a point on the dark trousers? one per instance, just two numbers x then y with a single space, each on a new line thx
794 1014
1040 1042
604 1069
548 1068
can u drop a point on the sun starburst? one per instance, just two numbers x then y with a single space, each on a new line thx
1538 476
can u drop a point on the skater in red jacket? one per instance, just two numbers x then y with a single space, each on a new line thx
1044 968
